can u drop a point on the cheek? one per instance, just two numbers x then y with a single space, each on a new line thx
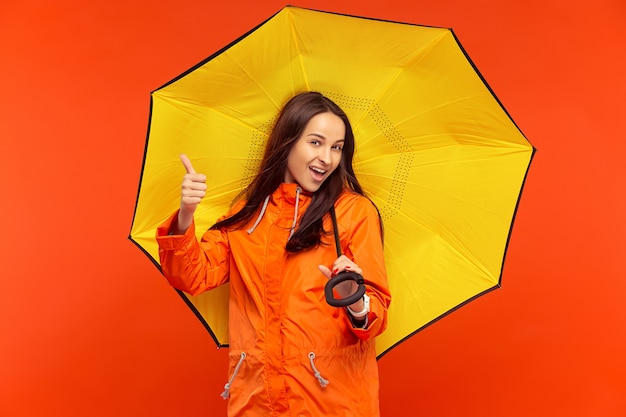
337 162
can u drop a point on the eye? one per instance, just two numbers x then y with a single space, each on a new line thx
314 142
338 147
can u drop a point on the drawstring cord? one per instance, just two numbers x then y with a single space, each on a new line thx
323 382
295 213
226 392
258 219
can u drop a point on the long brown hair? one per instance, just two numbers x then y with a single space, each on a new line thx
289 126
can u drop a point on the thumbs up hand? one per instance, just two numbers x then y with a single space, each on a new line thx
193 190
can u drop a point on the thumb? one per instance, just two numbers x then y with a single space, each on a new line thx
187 164
325 270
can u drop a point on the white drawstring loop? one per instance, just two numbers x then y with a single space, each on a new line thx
226 393
295 213
323 382
258 219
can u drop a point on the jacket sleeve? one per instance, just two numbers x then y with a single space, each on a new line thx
364 245
192 266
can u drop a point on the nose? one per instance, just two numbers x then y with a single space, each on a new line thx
324 155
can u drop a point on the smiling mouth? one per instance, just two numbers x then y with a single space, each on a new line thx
317 172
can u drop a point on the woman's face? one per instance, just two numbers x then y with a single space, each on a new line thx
317 152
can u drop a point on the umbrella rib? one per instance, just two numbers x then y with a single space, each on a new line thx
174 102
298 54
417 56
298 45
256 83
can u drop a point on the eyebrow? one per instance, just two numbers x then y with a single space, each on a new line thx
318 135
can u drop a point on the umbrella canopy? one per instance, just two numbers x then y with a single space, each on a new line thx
436 151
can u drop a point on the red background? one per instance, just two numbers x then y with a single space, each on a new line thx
88 327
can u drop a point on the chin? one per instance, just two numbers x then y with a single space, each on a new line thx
310 189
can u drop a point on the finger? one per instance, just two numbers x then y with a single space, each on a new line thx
187 164
193 193
343 263
342 260
191 201
325 270
194 182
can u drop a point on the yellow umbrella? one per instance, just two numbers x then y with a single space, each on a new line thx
436 151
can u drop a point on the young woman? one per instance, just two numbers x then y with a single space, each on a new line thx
291 353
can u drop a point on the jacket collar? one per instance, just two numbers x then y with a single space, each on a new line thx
287 192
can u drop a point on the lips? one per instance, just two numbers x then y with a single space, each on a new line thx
317 173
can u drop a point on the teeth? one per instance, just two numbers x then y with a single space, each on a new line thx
318 170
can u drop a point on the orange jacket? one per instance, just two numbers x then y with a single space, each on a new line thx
291 354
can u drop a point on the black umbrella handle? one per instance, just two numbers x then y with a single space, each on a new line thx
343 276
339 278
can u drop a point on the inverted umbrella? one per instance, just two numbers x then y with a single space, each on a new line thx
436 151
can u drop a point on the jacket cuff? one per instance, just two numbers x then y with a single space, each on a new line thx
169 241
367 332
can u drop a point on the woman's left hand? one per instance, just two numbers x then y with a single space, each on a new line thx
346 288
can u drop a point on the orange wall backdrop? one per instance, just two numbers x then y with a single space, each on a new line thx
88 327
